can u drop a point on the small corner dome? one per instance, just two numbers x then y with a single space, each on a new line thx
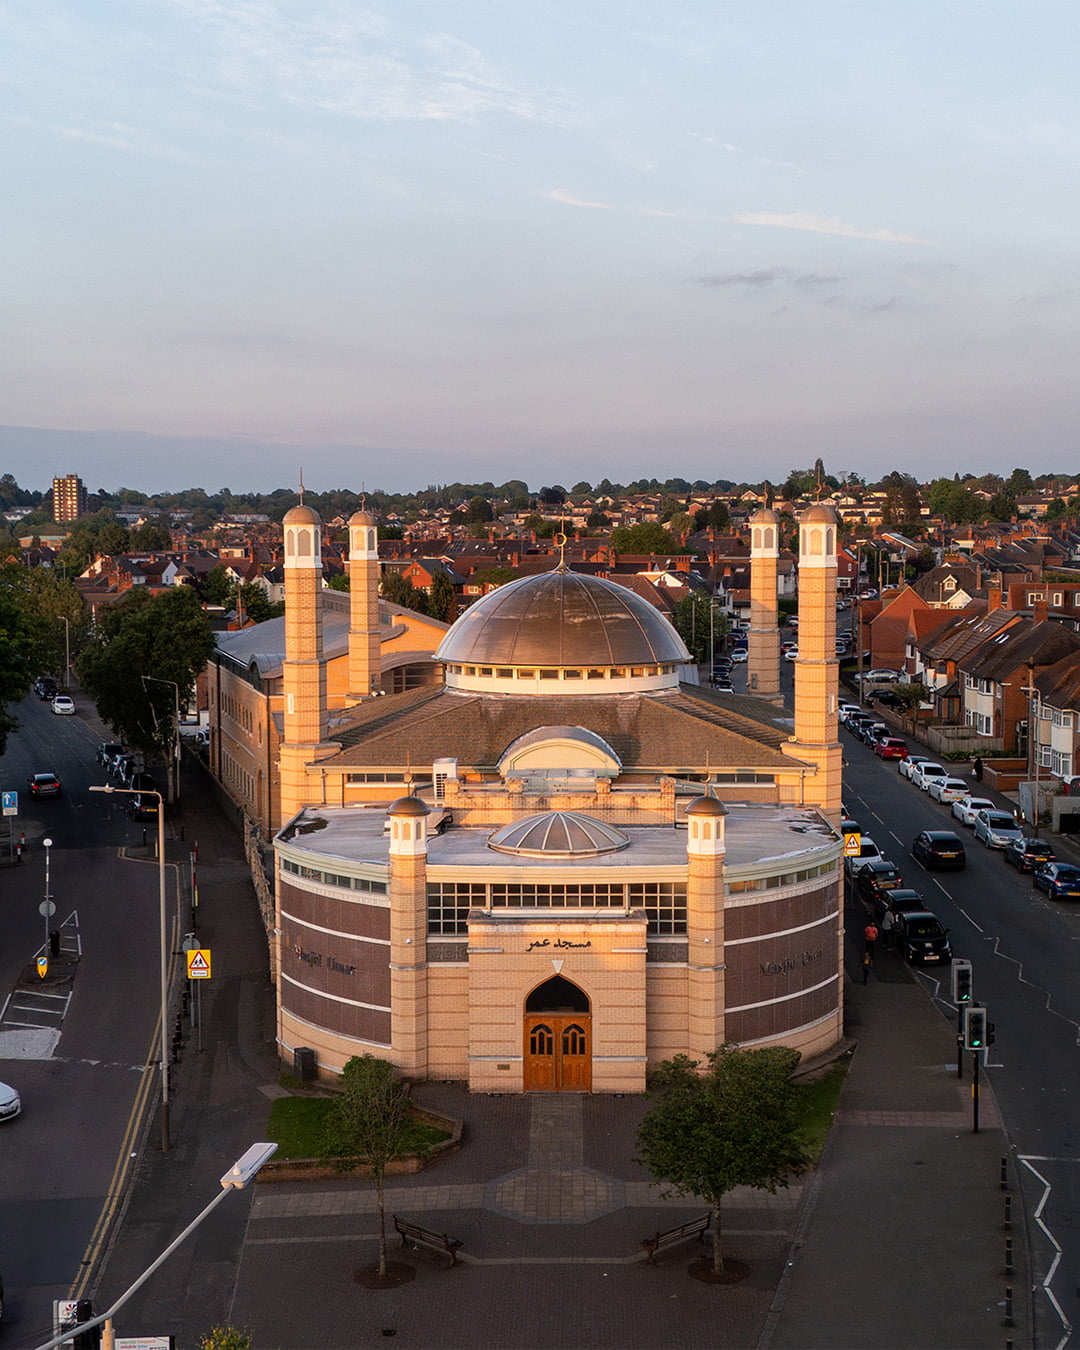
408 806
818 515
766 516
706 806
361 518
301 515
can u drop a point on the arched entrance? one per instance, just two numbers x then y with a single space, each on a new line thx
558 1036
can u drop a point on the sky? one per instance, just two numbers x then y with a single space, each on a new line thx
395 244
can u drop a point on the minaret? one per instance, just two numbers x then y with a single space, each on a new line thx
816 667
363 570
408 936
303 670
763 647
705 852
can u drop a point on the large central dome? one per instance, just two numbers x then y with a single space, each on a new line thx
562 618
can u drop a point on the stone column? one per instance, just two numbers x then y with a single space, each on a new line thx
364 642
408 936
763 645
705 890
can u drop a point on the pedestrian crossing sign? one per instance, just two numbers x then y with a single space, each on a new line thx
852 845
198 963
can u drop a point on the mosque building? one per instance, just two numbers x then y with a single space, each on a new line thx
566 862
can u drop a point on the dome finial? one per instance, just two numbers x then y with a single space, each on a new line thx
301 487
560 544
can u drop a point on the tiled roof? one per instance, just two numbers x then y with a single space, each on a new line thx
689 730
1025 644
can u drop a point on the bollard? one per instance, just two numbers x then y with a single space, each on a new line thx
144 837
1008 1256
1008 1322
1008 1211
54 942
181 834
1004 1174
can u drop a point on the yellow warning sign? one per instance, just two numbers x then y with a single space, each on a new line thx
198 964
852 845
43 966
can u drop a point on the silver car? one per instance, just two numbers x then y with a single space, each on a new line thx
967 808
996 828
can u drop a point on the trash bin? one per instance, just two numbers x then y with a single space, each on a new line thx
1069 822
54 942
304 1064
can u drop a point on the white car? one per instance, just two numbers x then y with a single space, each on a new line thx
739 654
792 654
63 705
922 773
10 1103
946 790
868 853
844 710
906 767
967 808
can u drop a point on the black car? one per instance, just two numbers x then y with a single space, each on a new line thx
107 751
939 850
45 785
885 698
47 690
901 901
920 938
876 879
1060 881
1028 854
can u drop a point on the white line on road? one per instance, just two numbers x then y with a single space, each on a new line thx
1065 1323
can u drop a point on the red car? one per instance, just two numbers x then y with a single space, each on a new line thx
891 747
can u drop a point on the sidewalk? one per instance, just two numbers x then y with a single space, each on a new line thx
896 1239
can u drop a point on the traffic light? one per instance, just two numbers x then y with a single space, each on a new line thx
962 986
86 1340
974 1028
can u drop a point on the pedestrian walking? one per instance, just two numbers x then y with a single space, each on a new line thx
977 769
870 936
866 966
888 923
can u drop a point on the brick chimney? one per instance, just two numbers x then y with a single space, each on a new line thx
1039 611
993 598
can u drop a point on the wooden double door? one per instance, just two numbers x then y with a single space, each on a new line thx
558 1053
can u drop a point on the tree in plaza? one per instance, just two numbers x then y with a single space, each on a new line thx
442 602
734 1122
369 1123
143 646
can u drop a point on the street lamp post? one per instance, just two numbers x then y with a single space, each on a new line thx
67 648
174 771
46 844
236 1178
139 792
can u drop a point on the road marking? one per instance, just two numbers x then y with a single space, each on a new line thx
1066 1325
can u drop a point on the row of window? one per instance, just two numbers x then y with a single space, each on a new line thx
664 902
557 672
238 777
237 712
333 878
780 879
980 721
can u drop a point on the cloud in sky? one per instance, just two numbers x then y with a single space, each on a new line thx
804 220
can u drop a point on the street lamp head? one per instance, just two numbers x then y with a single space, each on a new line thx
244 1169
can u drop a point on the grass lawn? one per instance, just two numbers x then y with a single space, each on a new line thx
297 1124
820 1098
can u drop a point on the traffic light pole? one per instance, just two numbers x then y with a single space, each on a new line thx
975 1092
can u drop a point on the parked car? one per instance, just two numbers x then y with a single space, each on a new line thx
47 690
967 808
872 732
107 750
1028 854
891 747
846 710
739 654
921 938
792 654
122 767
881 675
946 790
10 1102
901 901
996 828
45 785
922 773
876 879
64 705
1060 881
885 698
907 767
939 850
722 684
857 721
868 852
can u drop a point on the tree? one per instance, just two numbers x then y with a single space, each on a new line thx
255 603
695 624
225 1338
596 520
143 646
150 539
645 537
338 582
1019 482
398 590
23 643
479 511
735 1123
495 576
370 1123
216 586
442 602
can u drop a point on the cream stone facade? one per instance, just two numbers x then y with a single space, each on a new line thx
562 866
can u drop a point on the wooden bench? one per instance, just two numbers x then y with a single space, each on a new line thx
412 1235
692 1228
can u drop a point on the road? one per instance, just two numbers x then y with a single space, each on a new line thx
1025 953
80 1101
